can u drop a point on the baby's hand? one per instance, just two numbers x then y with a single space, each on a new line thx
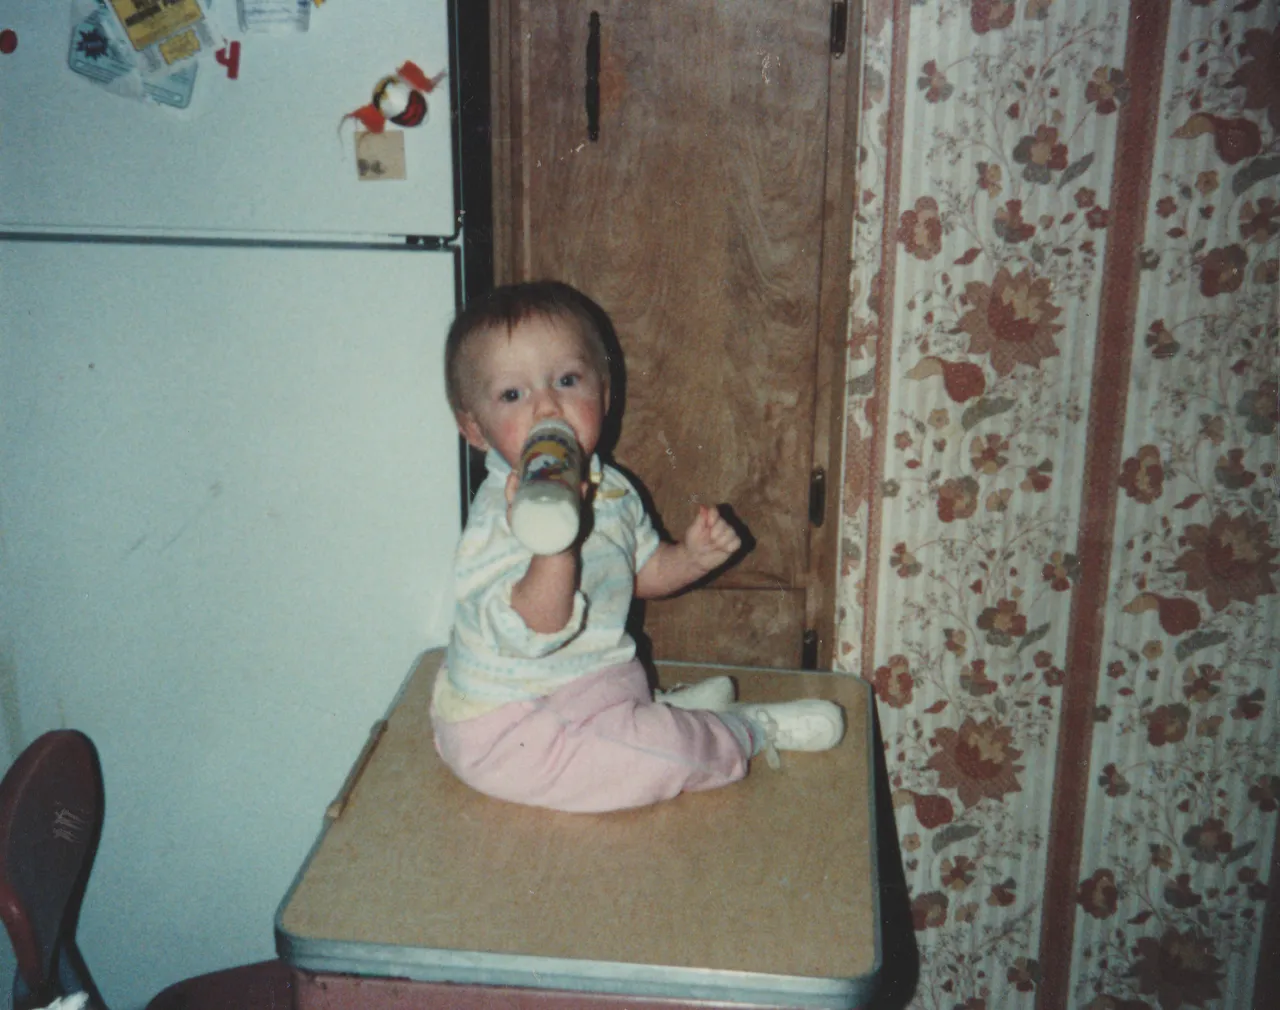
710 540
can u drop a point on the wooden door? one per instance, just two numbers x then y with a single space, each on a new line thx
707 209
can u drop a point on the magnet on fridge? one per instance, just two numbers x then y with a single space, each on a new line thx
100 52
400 97
229 57
166 36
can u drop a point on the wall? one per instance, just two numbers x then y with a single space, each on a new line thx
1060 514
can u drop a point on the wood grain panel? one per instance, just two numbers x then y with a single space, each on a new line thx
697 220
841 181
741 626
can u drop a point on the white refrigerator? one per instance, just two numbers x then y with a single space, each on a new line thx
229 480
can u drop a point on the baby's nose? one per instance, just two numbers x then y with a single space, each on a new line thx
545 403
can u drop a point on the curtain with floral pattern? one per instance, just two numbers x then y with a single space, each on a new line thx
1061 535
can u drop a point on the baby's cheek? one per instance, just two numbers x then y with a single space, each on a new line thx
510 438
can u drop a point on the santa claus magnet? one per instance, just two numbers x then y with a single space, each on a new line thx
400 98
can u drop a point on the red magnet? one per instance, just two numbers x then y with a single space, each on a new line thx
229 57
8 41
401 98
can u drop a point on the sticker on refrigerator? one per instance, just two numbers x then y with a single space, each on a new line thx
274 15
100 52
165 33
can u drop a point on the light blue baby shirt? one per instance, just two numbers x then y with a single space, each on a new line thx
494 658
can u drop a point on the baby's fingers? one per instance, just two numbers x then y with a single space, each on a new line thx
728 540
712 520
716 524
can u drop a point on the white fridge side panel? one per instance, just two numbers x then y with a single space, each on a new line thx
260 155
229 504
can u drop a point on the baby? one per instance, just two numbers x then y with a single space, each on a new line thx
541 699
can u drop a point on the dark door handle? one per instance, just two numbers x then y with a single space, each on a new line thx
593 77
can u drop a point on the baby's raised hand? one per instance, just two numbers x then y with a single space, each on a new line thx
710 540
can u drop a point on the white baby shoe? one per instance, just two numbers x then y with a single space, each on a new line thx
76 1001
715 694
809 724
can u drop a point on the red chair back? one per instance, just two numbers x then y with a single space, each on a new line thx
50 822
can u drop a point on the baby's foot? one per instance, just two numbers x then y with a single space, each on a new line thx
715 694
809 724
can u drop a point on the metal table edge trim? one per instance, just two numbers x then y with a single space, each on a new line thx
459 967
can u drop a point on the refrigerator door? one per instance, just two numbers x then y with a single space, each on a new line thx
229 504
261 155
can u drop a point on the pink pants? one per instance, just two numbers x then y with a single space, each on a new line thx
598 743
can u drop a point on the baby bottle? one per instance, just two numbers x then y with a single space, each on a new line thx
545 512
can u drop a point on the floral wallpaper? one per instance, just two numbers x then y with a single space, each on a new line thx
1060 495
1173 881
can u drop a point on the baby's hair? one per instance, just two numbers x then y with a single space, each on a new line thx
506 307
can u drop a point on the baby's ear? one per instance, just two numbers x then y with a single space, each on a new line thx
470 430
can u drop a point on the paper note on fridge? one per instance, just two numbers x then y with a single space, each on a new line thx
274 15
166 33
380 157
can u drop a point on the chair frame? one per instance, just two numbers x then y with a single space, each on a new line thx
58 774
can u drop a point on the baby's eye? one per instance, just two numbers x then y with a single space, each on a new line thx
509 395
569 380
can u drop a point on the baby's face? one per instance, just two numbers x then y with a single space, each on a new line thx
543 370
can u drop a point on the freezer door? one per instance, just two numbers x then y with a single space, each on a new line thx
229 505
260 155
